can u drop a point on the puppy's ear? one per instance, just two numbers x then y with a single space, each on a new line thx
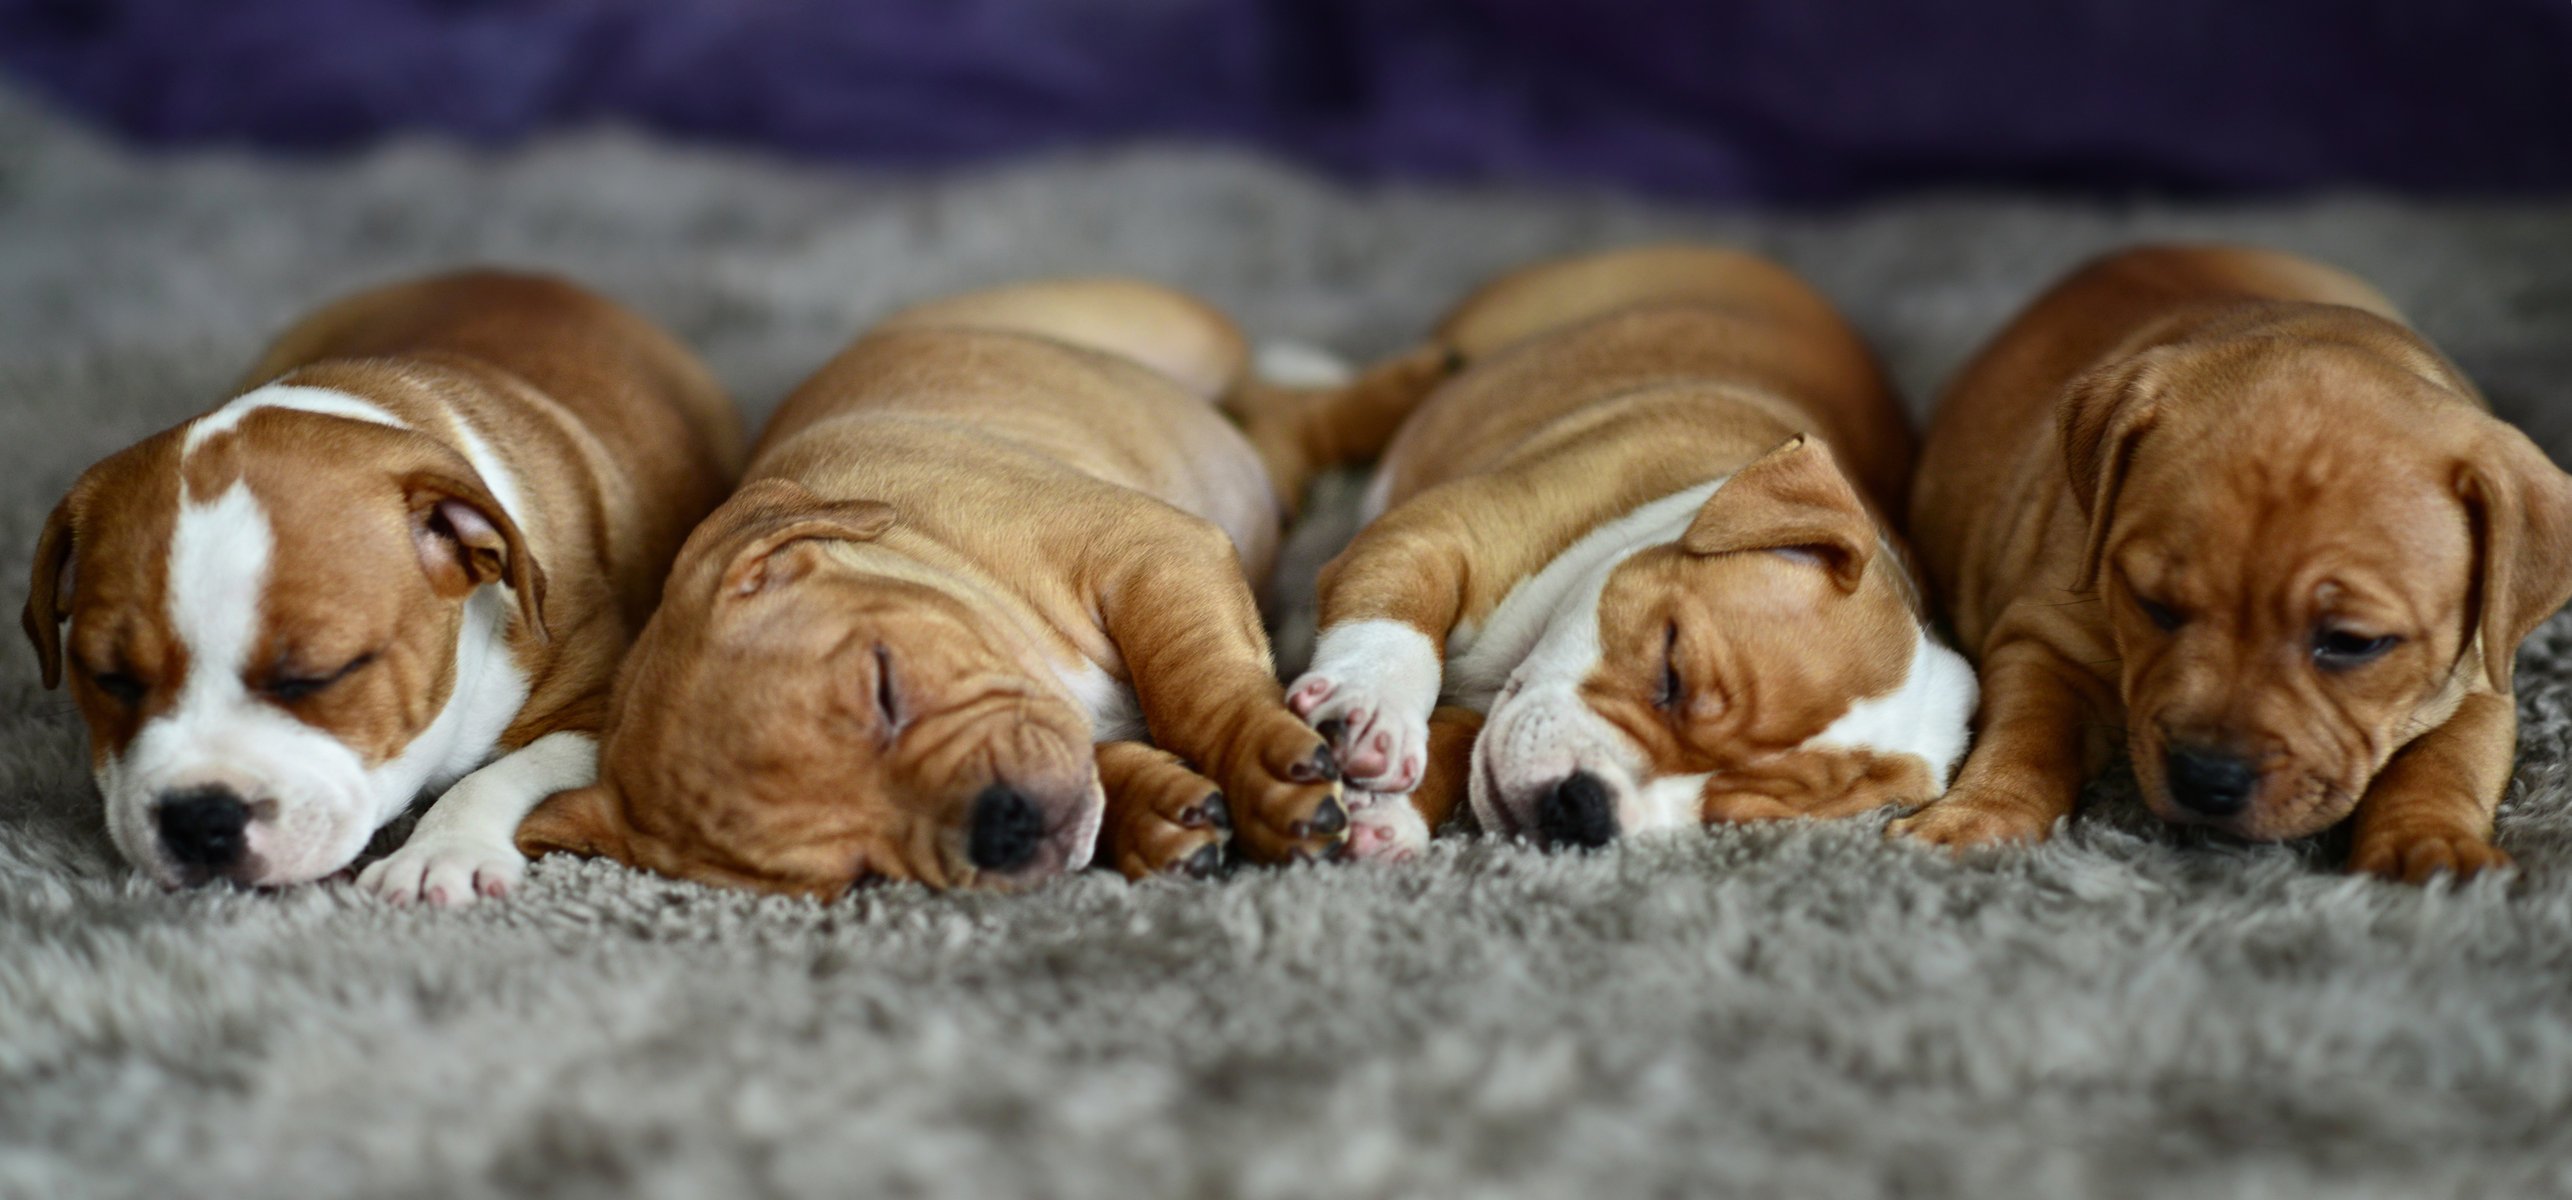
1795 499
49 586
2520 504
586 821
466 539
2104 414
771 514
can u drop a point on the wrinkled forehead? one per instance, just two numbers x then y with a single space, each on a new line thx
2292 517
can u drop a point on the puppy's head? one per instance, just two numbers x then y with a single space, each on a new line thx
261 616
788 723
2308 550
1763 643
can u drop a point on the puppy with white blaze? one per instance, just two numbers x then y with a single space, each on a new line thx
404 559
1631 570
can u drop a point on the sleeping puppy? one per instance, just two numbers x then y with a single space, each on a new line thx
981 556
1637 543
405 558
2223 501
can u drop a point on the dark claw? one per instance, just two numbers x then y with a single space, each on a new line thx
1316 767
1218 811
1329 820
1329 852
1206 863
1332 729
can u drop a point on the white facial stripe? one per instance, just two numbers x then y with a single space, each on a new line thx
1565 592
218 573
1928 715
325 401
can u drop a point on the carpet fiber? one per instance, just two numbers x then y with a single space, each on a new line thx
1776 1012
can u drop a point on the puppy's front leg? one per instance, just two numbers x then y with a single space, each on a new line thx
1388 602
2430 809
466 844
1179 609
2034 746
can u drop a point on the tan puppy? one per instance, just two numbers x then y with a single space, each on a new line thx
981 554
1640 532
2224 501
419 539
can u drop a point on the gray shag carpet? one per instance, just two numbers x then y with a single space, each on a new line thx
1774 1012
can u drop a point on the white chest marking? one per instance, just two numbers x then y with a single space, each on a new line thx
1481 658
1115 715
325 401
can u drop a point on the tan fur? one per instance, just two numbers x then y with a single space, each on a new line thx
1592 386
2258 443
978 496
617 438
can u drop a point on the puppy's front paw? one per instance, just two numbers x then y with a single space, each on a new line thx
1285 792
445 870
1965 821
1385 828
2416 855
1370 692
1173 824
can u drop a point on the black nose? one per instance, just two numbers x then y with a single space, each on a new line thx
2210 782
1006 829
203 828
1577 812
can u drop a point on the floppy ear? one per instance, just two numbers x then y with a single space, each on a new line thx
2103 415
2520 504
1792 498
49 589
586 821
780 512
466 540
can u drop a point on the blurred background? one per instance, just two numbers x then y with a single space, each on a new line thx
1775 101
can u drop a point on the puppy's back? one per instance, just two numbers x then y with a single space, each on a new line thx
1169 331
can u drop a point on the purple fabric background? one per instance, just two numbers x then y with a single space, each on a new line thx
1761 99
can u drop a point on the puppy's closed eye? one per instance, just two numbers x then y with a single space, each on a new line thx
2163 617
2342 649
888 699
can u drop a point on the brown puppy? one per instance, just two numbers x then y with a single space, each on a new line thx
2224 500
980 555
407 556
1640 533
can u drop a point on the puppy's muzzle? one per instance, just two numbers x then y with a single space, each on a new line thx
1578 811
2214 784
205 831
